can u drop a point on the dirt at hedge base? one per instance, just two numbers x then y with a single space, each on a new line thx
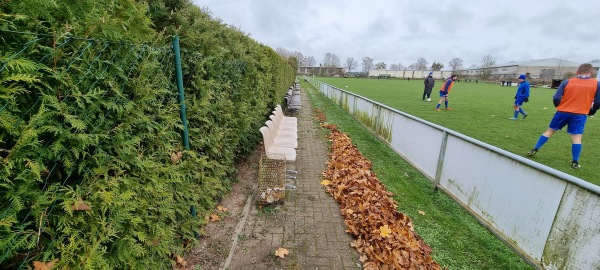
213 247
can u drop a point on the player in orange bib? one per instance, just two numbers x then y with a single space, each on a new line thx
574 100
444 92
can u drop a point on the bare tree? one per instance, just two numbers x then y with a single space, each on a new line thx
398 66
367 64
327 60
487 62
335 61
283 52
421 64
380 66
311 61
351 64
560 66
455 63
412 66
299 57
331 60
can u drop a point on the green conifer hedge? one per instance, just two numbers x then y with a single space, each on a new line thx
93 172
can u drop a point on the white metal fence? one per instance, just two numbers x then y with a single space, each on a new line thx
551 218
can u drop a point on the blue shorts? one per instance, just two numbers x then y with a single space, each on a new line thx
575 122
443 94
519 101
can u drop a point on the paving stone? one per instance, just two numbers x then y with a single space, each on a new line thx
309 223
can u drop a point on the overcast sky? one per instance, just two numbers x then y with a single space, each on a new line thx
401 31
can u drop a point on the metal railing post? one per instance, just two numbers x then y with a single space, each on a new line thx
438 171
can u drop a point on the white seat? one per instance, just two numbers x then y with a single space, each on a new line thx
283 139
280 127
283 120
280 114
280 133
270 149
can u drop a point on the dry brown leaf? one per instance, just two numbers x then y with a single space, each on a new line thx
281 252
44 265
222 208
80 205
214 217
366 204
175 157
325 182
370 266
180 261
385 231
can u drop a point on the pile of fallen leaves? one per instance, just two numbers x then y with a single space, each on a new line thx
385 237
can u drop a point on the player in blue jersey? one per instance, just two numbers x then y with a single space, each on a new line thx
521 97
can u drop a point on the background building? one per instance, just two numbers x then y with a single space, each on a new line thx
543 69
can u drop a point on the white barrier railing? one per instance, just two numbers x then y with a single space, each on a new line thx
550 218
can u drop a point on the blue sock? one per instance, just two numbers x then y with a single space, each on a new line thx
516 114
437 106
541 141
446 103
575 151
522 111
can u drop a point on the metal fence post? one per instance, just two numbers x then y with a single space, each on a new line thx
377 124
438 172
185 135
178 73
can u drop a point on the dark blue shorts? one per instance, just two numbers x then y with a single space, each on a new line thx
519 101
575 122
443 93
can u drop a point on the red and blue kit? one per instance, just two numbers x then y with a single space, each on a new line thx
446 88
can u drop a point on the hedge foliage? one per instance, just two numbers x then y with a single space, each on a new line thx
93 172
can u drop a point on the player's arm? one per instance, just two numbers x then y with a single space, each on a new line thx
596 104
559 93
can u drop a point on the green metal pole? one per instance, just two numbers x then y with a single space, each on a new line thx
178 73
186 140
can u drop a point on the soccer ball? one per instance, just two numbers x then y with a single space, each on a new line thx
428 99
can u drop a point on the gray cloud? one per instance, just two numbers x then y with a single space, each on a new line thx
401 31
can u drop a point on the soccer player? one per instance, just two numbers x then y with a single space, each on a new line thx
521 96
574 100
444 92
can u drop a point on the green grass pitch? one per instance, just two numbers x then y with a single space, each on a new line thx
482 111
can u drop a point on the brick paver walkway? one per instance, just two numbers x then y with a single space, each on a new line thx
308 224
